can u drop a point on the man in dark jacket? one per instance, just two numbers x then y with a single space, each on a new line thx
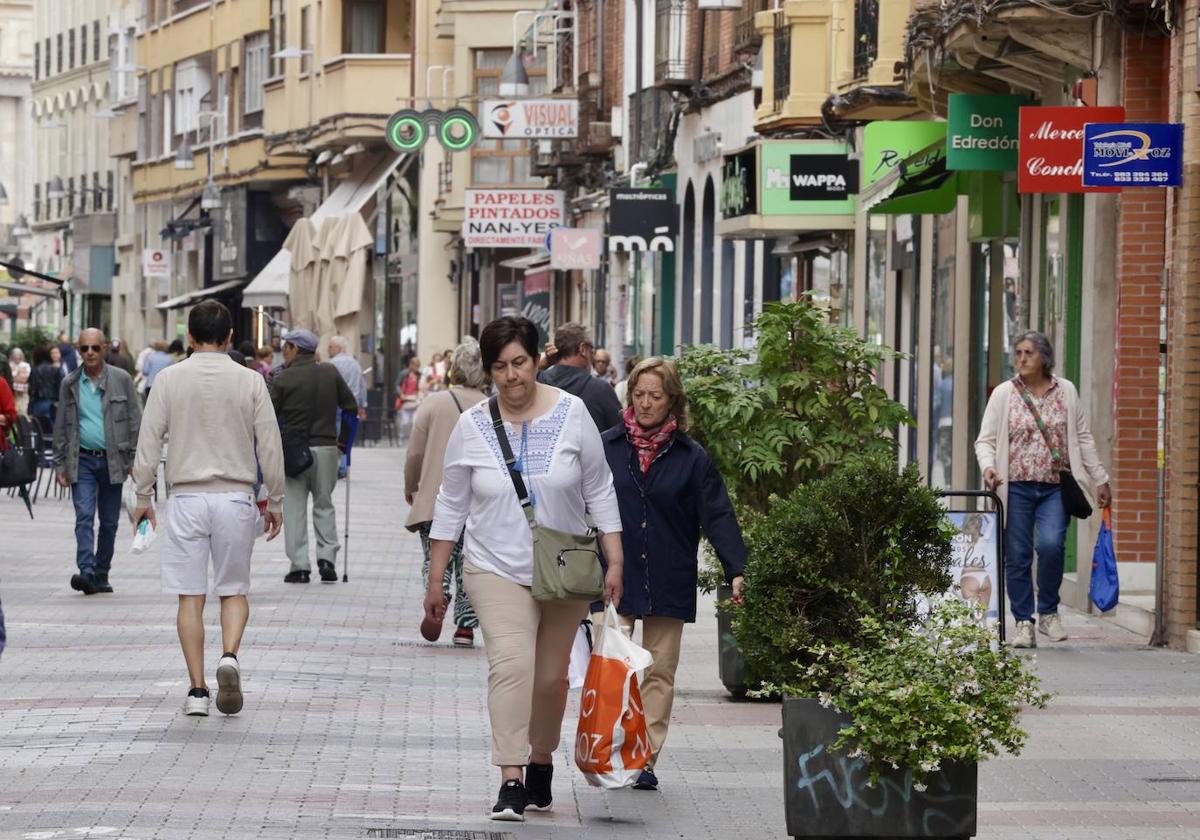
573 373
307 395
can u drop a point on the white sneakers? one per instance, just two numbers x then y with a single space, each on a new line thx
196 703
1025 637
229 685
229 691
1050 625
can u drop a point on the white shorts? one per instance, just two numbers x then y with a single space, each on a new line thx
197 526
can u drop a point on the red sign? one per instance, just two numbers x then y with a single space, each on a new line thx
1051 147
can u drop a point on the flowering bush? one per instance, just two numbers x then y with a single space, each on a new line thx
921 695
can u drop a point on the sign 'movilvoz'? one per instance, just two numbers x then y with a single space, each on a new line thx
642 220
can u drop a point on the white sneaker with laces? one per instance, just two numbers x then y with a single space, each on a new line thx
1051 625
229 686
196 703
1025 637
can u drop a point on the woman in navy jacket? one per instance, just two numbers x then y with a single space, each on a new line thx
668 490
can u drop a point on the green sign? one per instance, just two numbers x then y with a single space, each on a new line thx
918 150
982 135
782 173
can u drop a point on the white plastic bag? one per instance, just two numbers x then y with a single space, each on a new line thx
612 744
144 538
129 498
581 654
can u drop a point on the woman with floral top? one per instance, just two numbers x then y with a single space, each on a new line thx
1019 465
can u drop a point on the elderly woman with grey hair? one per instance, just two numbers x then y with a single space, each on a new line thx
1033 428
435 420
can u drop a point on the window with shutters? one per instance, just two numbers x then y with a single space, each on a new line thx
278 35
71 49
46 55
83 39
59 40
95 40
364 25
193 84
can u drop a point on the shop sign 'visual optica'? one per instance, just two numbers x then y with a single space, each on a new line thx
982 132
806 177
1133 155
529 119
511 218
1051 153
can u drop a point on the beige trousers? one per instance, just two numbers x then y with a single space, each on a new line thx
528 646
661 636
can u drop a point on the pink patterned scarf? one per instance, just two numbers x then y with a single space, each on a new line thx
647 442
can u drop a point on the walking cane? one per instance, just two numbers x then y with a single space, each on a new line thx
346 536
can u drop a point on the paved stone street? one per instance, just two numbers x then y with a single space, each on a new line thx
354 724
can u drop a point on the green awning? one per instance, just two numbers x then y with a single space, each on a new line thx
920 184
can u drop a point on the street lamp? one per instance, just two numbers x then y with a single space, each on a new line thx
3 195
210 198
55 190
21 226
514 80
184 159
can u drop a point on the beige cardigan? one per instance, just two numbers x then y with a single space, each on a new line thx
435 420
991 447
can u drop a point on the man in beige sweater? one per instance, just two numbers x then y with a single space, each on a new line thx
223 429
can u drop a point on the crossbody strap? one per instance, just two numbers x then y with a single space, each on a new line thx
509 460
454 397
1037 418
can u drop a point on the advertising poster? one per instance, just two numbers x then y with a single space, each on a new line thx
975 563
511 218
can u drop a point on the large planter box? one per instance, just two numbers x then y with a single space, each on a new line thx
732 666
826 794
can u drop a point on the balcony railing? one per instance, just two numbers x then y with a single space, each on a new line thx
866 36
671 21
746 39
782 69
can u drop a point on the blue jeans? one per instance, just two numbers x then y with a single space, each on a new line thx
94 493
1034 507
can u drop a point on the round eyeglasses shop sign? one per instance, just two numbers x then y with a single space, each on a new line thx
511 218
1133 155
982 133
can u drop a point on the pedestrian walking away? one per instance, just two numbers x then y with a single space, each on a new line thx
352 373
1022 462
408 399
222 427
95 438
528 642
158 361
669 491
307 395
436 419
573 373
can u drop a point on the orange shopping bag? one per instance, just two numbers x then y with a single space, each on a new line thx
612 746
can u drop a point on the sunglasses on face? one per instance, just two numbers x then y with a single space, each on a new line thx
94 348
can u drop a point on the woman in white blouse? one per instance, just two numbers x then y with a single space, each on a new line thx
561 458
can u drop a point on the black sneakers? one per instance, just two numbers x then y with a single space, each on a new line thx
296 576
537 785
102 584
510 804
328 572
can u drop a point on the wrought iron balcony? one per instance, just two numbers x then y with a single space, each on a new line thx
866 36
746 38
672 67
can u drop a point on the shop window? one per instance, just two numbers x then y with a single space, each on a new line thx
945 243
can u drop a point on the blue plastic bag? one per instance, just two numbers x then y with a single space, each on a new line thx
1106 586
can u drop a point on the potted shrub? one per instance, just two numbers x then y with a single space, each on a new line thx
892 697
801 403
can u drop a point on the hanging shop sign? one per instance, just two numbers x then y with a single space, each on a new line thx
642 220
904 168
156 264
511 218
806 177
408 129
535 303
1133 155
1051 151
739 189
982 132
530 119
575 249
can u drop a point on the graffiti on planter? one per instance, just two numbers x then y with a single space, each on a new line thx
893 796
